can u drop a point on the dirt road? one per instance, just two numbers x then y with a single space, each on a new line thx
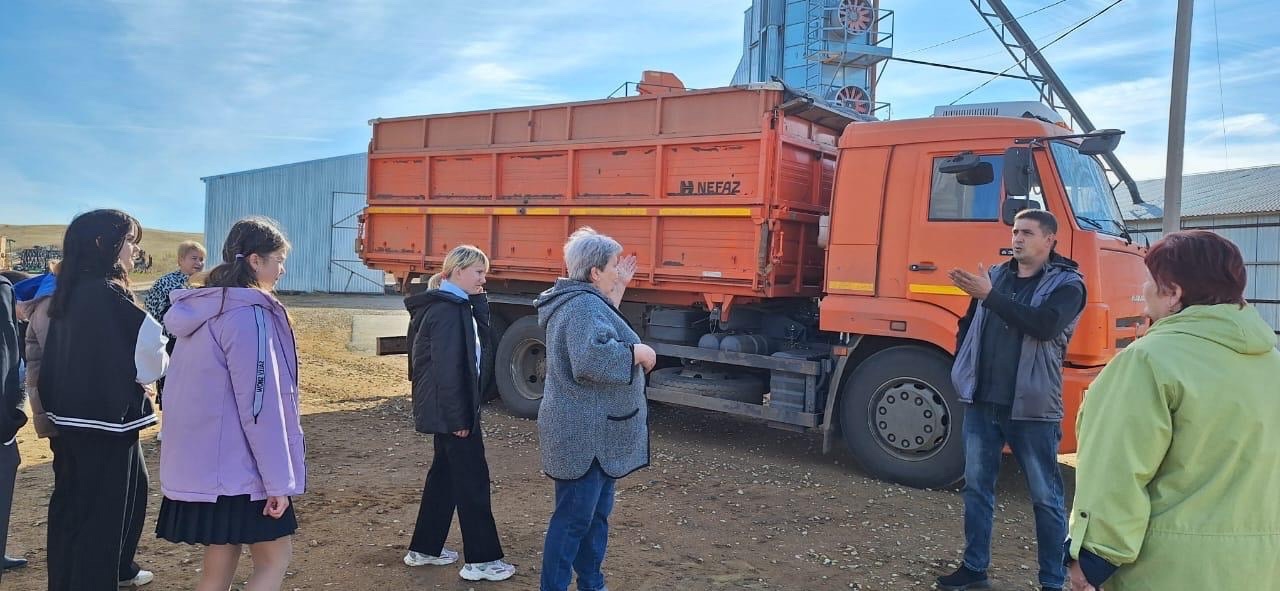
726 504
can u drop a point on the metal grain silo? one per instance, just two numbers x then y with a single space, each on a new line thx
827 48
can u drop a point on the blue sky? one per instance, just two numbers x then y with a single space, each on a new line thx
126 103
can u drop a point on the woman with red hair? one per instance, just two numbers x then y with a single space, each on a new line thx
1179 459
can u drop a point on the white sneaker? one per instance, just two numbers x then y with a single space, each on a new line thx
142 578
446 556
487 571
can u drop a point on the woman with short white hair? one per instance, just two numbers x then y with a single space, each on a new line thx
593 422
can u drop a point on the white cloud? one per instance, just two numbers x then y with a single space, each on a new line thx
204 88
1249 125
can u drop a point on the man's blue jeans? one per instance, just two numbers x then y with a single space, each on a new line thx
578 532
987 427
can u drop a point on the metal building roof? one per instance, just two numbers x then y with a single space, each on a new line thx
305 163
1226 192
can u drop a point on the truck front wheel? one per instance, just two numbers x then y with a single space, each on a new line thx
520 367
902 420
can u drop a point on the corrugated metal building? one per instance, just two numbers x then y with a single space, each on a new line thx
316 203
1242 205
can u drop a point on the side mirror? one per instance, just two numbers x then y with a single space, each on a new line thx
969 170
1013 205
1104 141
1017 171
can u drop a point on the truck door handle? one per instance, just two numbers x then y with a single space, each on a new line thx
923 267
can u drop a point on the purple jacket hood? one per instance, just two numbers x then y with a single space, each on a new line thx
191 308
231 410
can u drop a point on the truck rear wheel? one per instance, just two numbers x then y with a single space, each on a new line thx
902 420
520 367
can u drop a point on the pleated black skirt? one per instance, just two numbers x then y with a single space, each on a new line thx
230 520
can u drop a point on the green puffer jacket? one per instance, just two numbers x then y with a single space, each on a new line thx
1179 462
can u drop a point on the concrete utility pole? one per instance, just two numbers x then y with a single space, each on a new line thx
1177 118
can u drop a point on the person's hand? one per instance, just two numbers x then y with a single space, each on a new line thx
150 391
275 507
626 269
644 356
1078 580
462 433
978 286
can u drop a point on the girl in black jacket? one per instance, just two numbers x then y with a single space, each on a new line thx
101 349
448 331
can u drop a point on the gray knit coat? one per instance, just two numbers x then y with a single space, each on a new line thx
593 403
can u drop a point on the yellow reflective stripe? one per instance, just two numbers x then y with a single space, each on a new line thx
393 209
937 289
727 212
576 211
526 211
851 286
454 210
627 211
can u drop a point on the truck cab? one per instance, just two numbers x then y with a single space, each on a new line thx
900 222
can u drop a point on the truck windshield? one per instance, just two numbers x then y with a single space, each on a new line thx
1092 200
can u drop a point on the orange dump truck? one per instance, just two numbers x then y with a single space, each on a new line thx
791 261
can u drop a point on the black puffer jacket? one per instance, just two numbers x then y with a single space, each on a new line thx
442 359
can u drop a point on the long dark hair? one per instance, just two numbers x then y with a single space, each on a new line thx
249 236
91 251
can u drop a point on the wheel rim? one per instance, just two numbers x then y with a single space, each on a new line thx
529 368
910 419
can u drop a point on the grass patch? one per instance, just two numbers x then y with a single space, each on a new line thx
160 244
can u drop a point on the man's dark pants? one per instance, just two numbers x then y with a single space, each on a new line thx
987 428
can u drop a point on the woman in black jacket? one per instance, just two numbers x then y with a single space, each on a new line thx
101 349
448 331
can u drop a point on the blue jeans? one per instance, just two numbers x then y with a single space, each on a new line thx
578 532
987 427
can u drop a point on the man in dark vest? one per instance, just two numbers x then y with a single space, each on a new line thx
1008 370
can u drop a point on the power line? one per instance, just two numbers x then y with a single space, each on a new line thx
995 53
979 31
960 68
1222 105
1040 50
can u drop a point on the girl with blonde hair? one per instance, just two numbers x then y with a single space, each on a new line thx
448 332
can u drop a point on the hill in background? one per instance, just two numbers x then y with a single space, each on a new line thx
160 244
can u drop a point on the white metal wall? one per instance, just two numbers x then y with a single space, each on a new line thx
1258 237
315 203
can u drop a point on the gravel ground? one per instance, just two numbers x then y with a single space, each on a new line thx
726 503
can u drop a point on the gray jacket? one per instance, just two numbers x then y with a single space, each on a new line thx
1038 390
593 402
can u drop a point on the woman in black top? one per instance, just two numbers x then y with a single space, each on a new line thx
101 349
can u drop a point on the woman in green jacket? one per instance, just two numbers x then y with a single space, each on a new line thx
1179 459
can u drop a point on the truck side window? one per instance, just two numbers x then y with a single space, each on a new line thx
949 200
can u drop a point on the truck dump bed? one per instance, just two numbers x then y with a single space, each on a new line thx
717 192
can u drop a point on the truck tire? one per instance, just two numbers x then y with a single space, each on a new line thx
520 366
901 418
738 386
497 327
